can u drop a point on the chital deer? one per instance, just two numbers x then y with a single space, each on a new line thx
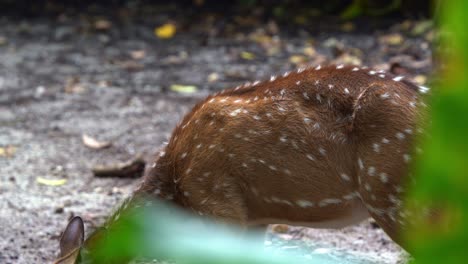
321 147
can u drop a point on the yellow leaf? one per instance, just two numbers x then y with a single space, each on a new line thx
183 88
247 55
7 151
309 51
51 182
392 39
297 59
165 31
420 79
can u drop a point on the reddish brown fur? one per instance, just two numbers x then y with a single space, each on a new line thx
255 177
322 147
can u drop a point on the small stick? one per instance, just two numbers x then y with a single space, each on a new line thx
129 169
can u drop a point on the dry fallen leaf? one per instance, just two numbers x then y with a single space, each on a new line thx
51 182
421 27
165 31
247 55
73 85
183 88
213 77
7 151
392 39
309 51
93 143
137 54
297 59
103 83
102 24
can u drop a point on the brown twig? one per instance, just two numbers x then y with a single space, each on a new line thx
129 169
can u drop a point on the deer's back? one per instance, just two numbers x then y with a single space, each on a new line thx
291 148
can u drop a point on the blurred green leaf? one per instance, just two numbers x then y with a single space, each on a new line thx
442 171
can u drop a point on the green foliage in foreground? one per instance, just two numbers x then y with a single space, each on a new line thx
442 172
164 233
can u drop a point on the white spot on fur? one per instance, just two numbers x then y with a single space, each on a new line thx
235 112
376 147
322 151
328 201
406 158
309 156
351 196
367 187
385 96
423 89
400 136
345 177
361 164
318 97
304 203
383 177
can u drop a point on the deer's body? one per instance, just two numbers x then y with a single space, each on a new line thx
322 147
319 147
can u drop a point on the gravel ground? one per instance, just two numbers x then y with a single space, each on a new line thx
67 75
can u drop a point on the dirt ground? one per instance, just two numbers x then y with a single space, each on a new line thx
110 77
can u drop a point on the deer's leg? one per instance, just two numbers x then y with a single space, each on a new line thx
225 204
384 124
382 177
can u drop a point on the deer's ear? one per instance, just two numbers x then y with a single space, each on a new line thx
73 237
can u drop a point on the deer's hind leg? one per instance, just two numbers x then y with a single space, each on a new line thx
384 133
